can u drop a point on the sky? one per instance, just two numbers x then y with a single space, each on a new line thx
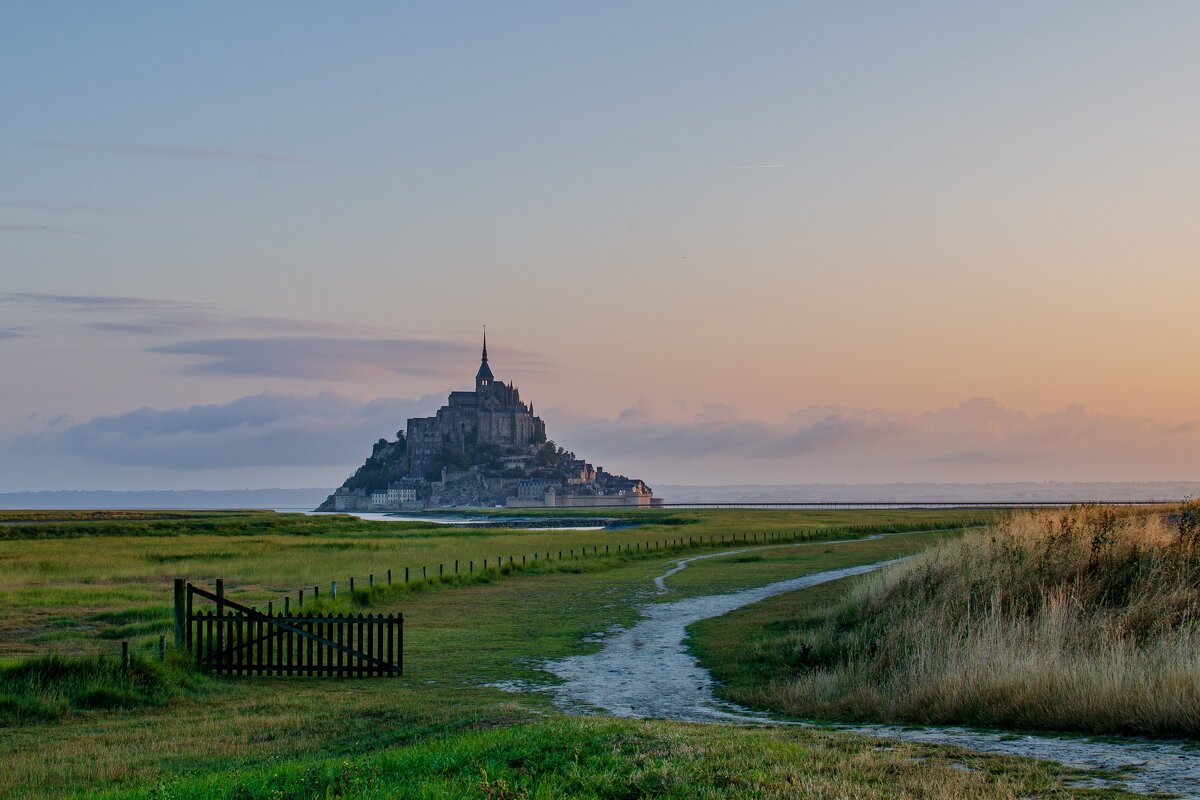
712 242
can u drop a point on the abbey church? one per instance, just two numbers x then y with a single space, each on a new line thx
492 415
484 448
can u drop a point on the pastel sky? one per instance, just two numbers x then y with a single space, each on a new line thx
713 242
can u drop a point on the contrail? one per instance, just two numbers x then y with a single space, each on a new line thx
755 166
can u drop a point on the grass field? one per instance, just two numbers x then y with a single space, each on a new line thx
1080 620
440 731
74 582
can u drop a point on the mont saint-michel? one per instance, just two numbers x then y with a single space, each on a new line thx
483 448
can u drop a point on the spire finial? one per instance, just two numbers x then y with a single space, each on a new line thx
485 344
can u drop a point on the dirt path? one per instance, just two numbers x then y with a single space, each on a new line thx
646 671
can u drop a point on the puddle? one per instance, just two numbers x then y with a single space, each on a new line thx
646 671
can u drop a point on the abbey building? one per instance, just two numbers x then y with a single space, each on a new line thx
483 448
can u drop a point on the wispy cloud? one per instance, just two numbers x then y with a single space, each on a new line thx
17 228
330 358
171 151
94 302
163 318
11 333
57 208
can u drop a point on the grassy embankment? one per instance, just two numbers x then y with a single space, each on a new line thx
1083 620
437 729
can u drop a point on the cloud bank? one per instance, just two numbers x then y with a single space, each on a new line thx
273 435
979 439
263 430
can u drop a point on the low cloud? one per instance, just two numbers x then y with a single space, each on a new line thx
11 333
271 436
978 439
264 430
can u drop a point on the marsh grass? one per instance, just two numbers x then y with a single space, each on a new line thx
1084 620
50 687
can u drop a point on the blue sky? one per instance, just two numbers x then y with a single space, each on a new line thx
671 216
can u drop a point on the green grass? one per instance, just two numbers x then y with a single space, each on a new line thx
604 759
50 687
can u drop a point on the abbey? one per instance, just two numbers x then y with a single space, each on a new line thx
493 415
483 448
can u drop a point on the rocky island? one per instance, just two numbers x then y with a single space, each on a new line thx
484 448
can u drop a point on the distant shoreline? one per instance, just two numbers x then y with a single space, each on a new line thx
310 498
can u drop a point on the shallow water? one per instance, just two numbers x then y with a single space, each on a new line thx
467 521
646 671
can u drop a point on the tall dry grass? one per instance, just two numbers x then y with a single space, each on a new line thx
1086 620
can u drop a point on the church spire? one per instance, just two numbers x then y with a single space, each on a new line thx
484 377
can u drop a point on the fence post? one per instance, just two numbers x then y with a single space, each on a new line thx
351 585
423 575
125 655
220 623
456 566
180 622
316 593
389 577
333 589
162 647
287 606
371 581
300 598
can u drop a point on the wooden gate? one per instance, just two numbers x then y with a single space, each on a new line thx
233 639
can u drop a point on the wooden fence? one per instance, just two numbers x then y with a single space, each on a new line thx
233 639
503 564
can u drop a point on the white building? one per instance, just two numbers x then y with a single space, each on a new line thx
397 495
